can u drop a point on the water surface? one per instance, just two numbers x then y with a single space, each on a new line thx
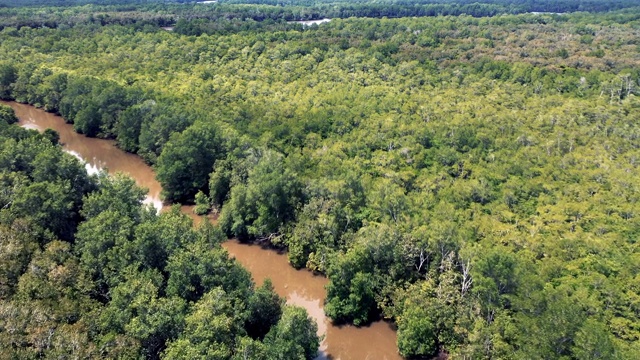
310 22
299 287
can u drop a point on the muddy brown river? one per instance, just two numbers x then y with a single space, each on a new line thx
299 287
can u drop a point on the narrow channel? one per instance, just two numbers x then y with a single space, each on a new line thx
299 287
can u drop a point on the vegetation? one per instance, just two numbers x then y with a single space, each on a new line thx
86 271
474 179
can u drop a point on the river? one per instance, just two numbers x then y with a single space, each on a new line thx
310 22
298 287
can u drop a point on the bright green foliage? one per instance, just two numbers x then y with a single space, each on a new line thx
202 204
248 348
593 342
473 178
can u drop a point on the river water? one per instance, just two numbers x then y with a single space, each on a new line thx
310 22
299 287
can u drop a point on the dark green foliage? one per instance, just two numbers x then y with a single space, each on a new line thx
103 246
156 128
199 267
18 245
52 136
8 76
137 309
293 337
130 123
265 308
358 277
46 185
159 237
87 121
128 283
416 333
118 194
210 329
219 182
185 163
267 201
7 115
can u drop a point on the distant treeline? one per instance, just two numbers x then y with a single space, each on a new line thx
420 5
162 13
29 3
473 179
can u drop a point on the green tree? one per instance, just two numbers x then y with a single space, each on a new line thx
8 75
117 193
87 121
593 341
137 310
210 329
8 115
200 267
104 244
17 247
266 202
416 332
158 237
202 204
157 127
265 308
185 163
294 336
248 348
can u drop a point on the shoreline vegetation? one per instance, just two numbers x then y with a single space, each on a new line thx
472 178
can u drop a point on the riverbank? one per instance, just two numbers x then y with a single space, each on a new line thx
298 287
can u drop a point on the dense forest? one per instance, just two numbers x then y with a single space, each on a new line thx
474 179
232 15
87 272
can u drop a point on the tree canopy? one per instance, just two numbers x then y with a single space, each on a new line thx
87 271
472 178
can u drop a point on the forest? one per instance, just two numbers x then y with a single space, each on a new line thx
472 178
86 271
232 15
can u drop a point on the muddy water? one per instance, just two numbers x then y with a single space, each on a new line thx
96 153
299 287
